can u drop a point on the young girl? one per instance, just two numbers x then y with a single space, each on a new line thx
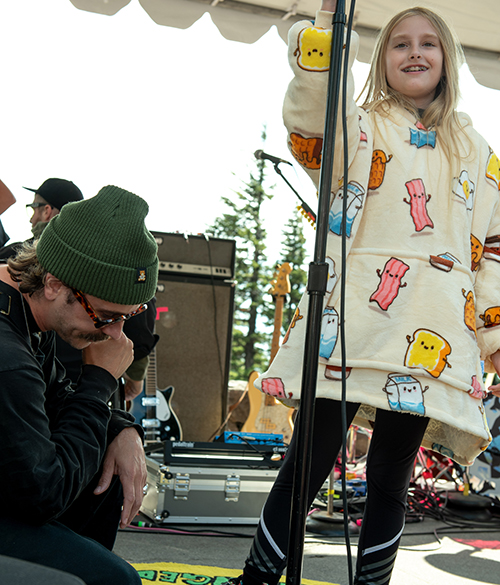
422 295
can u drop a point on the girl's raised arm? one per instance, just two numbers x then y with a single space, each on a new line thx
329 5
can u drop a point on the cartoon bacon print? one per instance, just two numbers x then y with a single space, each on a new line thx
418 204
390 283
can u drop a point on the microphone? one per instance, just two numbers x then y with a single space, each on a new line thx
260 154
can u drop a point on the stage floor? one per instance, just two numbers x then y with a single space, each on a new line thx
464 556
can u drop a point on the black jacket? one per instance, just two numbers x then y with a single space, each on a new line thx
52 438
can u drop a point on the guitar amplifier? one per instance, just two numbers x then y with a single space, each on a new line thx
217 454
195 255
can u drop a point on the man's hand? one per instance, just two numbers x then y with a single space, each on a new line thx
125 458
114 355
132 387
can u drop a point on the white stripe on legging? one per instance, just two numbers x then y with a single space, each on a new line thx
373 549
270 539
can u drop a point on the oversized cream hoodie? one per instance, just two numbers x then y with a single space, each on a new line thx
423 268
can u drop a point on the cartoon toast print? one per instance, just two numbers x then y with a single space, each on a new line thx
377 170
464 188
405 393
306 151
355 194
296 317
390 282
476 252
329 332
429 351
422 137
469 311
418 204
491 317
493 169
313 49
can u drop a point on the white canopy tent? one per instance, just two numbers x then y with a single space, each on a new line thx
477 24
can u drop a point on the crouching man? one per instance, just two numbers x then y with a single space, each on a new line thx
71 470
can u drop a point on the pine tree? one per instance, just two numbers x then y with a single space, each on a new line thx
250 346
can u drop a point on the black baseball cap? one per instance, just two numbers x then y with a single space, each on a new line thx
58 192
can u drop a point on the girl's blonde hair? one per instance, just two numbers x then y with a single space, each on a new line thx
441 113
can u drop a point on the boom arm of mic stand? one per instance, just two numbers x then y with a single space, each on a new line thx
305 207
318 275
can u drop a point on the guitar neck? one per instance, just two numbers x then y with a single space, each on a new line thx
150 384
278 319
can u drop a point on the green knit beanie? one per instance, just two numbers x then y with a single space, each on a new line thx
101 247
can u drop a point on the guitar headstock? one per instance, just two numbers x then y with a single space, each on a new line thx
280 284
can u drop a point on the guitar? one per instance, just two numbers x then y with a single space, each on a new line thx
153 408
267 415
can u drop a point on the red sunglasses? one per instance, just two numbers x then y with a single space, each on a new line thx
98 322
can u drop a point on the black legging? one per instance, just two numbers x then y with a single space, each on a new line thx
394 445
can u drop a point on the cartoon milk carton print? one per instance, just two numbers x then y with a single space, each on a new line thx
390 283
332 275
355 193
427 351
405 393
329 332
464 188
418 204
313 49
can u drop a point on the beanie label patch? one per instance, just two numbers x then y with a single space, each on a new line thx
140 276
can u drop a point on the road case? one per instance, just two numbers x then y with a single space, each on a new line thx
190 494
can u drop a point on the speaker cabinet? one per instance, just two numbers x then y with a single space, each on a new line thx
194 322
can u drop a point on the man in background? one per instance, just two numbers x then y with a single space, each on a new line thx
48 201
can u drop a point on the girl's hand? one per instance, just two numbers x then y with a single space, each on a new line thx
329 5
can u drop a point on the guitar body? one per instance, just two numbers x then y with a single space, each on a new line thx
170 427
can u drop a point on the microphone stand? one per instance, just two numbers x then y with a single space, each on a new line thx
316 287
309 212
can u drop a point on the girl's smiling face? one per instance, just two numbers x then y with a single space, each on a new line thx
414 60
